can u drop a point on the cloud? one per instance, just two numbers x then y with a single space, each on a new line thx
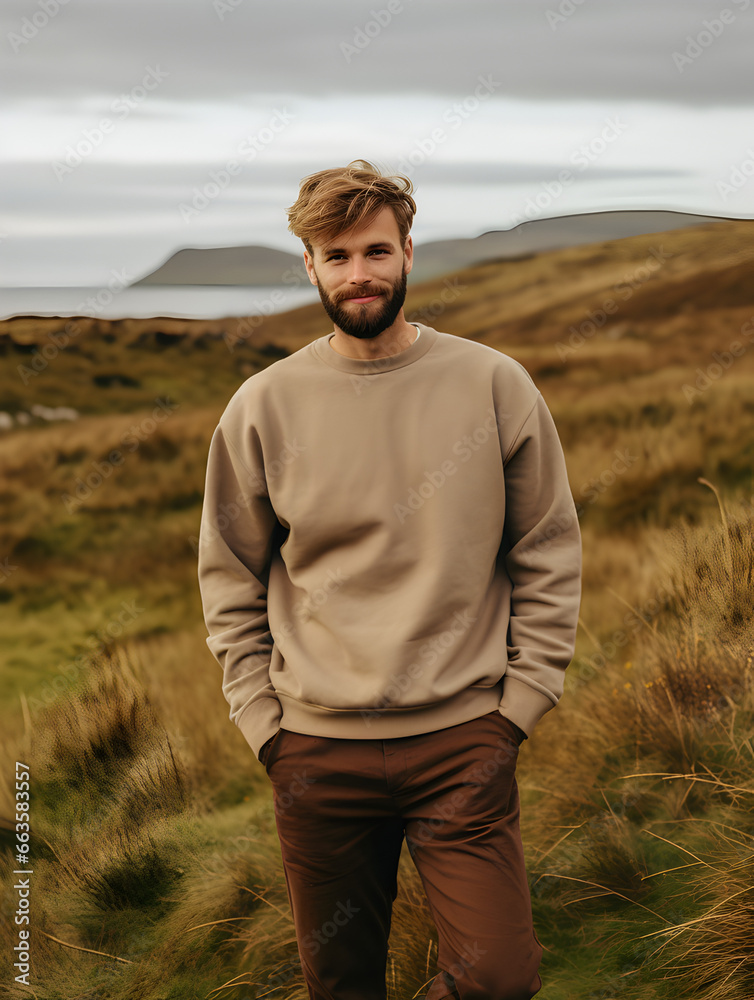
373 79
613 49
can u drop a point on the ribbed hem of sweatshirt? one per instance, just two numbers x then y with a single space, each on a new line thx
375 366
371 724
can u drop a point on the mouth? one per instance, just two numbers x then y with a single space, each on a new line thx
363 299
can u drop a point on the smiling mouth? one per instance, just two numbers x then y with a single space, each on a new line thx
361 299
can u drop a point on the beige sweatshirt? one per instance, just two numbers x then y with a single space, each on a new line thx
388 547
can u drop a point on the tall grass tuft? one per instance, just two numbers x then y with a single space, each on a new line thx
658 869
104 752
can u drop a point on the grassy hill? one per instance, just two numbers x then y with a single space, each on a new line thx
154 836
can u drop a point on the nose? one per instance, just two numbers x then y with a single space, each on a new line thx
359 271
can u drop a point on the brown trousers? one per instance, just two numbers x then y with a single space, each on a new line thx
342 809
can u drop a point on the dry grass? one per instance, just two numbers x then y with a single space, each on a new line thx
653 760
143 810
155 836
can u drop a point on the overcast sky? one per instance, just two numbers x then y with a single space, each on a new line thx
132 128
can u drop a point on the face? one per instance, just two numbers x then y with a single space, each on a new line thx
361 276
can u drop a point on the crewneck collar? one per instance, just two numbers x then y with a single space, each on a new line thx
362 366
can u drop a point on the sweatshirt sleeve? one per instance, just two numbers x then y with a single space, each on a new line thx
236 541
542 545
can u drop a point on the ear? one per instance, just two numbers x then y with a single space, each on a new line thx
310 268
408 255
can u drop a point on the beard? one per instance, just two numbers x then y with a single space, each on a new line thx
370 319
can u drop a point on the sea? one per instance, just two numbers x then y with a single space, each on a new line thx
146 301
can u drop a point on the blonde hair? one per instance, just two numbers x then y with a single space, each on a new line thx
334 201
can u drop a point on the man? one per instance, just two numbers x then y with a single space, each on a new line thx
390 563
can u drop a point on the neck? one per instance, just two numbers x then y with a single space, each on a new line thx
395 339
